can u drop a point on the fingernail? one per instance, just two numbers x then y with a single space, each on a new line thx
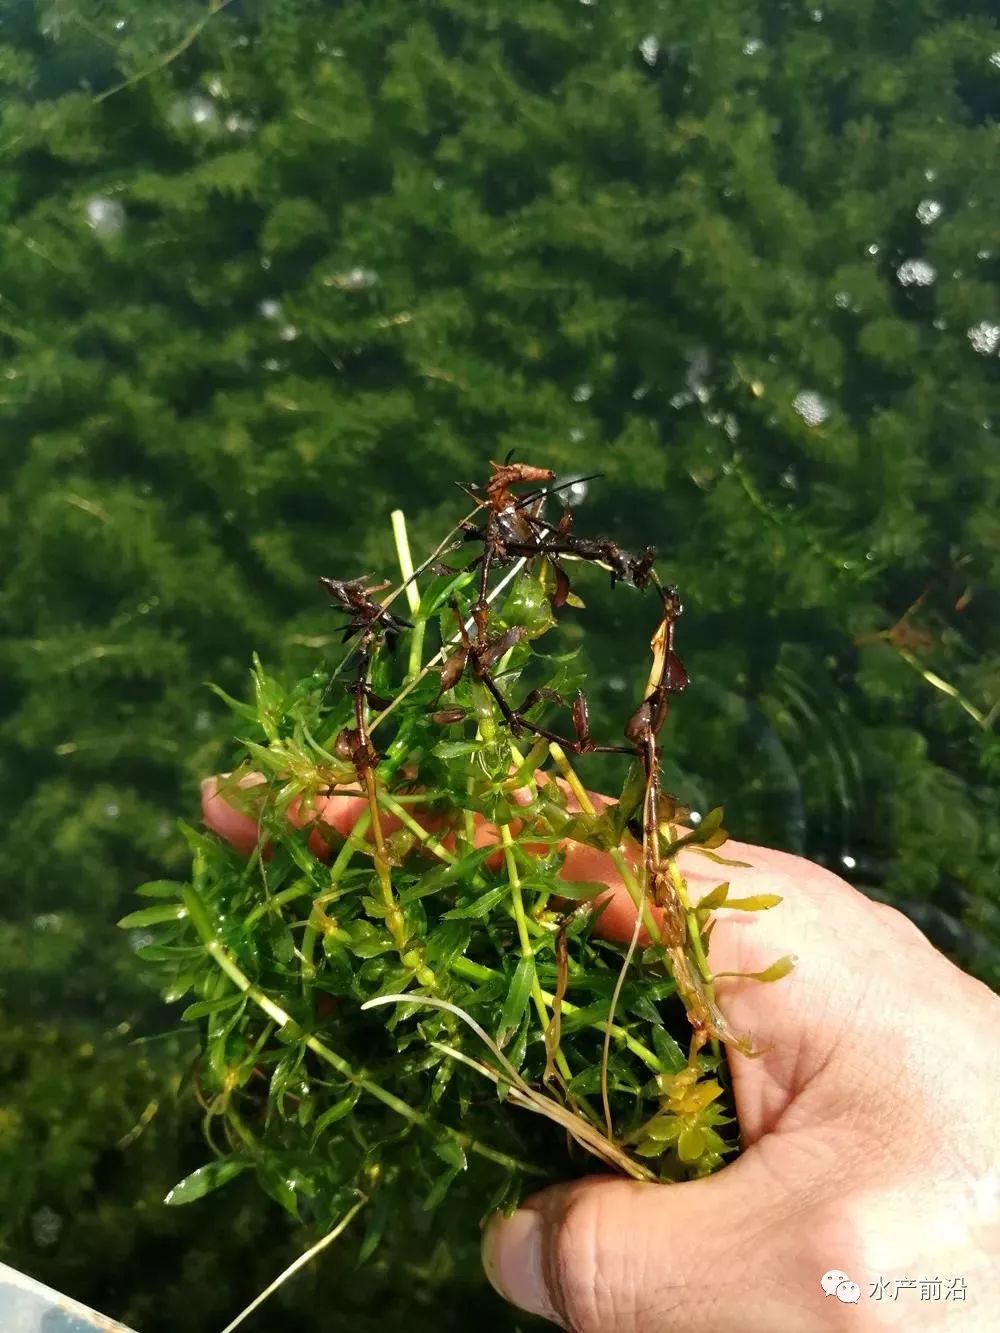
513 1259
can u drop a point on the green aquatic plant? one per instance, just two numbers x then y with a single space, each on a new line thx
405 980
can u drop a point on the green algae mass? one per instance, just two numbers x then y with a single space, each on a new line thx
269 270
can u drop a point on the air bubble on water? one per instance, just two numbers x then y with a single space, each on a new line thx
48 921
105 217
288 333
164 828
872 250
265 263
216 87
640 391
984 337
929 210
984 254
752 45
46 1227
930 174
695 817
699 365
576 492
916 273
811 407
10 373
271 363
202 720
789 479
681 399
649 49
816 15
438 183
848 861
843 300
582 393
194 109
576 435
140 939
995 59
732 428
269 308
356 279
112 810
119 25
237 124
616 683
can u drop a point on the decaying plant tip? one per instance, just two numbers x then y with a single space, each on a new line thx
374 988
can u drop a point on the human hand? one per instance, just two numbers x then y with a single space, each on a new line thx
869 1145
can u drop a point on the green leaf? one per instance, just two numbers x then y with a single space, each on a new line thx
668 1050
758 902
633 792
714 899
690 1144
721 860
282 1187
480 907
456 749
441 1187
336 1112
710 824
202 1008
207 1178
367 941
450 1151
775 972
161 888
446 944
517 999
573 890
246 711
153 916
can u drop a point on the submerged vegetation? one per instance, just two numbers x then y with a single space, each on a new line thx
435 867
270 269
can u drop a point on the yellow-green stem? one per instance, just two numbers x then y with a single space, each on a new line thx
288 1025
412 595
524 938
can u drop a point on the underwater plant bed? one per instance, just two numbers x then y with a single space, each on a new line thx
401 954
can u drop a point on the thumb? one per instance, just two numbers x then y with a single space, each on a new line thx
603 1255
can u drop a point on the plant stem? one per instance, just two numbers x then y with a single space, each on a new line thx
287 1024
525 939
300 1262
412 595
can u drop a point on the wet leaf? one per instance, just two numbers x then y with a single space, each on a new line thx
517 999
451 1151
691 1144
153 916
207 1178
202 1008
341 1108
160 888
715 898
479 907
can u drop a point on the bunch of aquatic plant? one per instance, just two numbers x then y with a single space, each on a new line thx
404 988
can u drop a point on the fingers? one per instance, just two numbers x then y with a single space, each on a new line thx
604 1255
